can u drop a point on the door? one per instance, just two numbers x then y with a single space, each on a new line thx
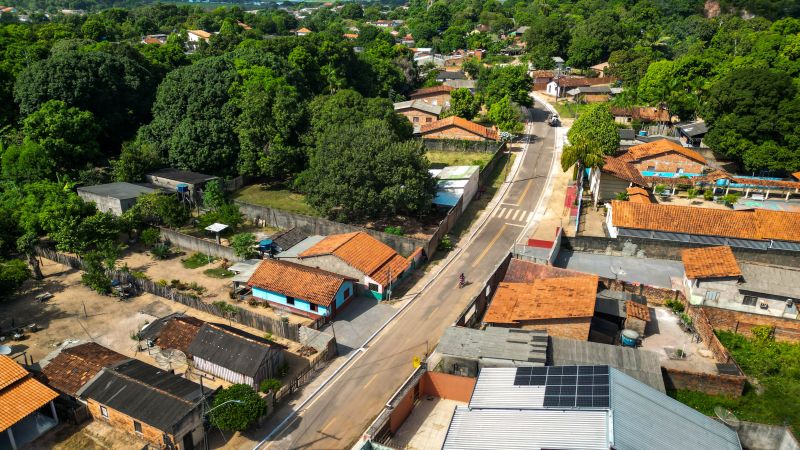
188 442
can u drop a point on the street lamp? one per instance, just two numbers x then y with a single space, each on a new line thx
222 404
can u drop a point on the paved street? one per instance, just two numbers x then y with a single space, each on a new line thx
337 417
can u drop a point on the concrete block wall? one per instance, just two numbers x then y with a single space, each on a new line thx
712 384
742 322
194 244
759 436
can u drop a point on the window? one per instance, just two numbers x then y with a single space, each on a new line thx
651 168
137 427
313 306
750 300
346 293
416 119
290 300
679 171
103 411
712 296
428 120
374 287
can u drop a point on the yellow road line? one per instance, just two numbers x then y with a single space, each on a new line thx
489 246
524 193
370 381
327 425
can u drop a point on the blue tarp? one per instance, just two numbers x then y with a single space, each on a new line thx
446 198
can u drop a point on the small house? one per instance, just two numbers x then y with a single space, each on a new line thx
198 35
175 331
613 177
642 114
436 95
457 128
456 183
466 351
234 355
151 403
26 406
472 85
114 198
601 69
375 265
302 32
447 75
158 39
418 112
75 366
300 289
184 182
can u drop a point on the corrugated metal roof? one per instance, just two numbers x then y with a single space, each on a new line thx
645 419
244 355
531 429
495 389
495 345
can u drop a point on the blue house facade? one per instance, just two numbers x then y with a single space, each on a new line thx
301 290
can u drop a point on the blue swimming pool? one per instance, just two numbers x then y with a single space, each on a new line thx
647 173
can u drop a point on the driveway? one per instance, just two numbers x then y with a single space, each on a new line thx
357 322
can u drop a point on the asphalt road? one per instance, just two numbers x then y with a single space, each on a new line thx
340 413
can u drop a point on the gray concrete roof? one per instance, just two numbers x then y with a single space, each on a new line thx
458 84
640 364
772 280
420 105
300 247
119 190
523 347
652 272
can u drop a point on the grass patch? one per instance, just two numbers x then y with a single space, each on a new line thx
571 110
218 272
282 199
476 206
197 260
776 366
441 159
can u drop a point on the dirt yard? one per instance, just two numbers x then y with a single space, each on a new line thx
78 313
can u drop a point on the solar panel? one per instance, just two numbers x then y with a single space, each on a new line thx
568 386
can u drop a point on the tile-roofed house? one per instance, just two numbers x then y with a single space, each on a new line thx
75 366
198 35
637 310
638 195
155 404
561 306
710 262
521 271
646 114
303 32
234 355
613 177
753 229
418 112
648 151
796 175
458 128
357 255
178 333
21 397
436 95
301 289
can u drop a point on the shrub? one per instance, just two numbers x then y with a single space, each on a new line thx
270 384
150 236
197 260
160 251
243 245
218 272
730 199
676 306
708 194
445 244
622 196
659 189
397 231
692 192
237 416
686 319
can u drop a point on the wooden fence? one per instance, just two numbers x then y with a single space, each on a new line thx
243 316
307 374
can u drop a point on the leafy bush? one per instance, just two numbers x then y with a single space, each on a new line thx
238 416
676 306
150 236
445 244
708 195
12 274
686 319
397 231
270 384
228 214
94 275
160 251
622 196
243 245
659 189
729 199
691 192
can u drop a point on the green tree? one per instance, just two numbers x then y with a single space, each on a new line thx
135 160
511 81
13 273
213 195
506 115
593 135
361 171
157 208
27 162
25 245
96 265
463 104
67 135
244 245
238 407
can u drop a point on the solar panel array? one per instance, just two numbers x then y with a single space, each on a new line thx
568 386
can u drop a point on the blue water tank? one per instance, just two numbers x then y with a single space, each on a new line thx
642 133
629 338
183 188
265 244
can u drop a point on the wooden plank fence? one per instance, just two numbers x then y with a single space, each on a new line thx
304 377
243 316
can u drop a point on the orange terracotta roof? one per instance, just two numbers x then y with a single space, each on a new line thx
431 90
659 147
75 366
295 280
573 82
755 225
10 371
643 113
796 175
637 310
623 170
21 398
521 271
350 36
543 74
304 30
179 332
551 298
152 40
638 195
464 124
710 262
244 26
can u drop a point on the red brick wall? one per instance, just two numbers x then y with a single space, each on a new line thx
422 117
401 411
577 328
712 384
670 162
742 322
451 387
124 423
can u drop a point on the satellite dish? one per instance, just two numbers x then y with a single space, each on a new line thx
5 350
172 359
727 417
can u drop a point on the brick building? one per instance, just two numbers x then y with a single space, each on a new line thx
153 404
436 95
418 112
456 128
536 297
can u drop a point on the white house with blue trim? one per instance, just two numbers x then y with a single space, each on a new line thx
300 289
